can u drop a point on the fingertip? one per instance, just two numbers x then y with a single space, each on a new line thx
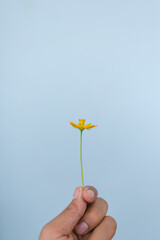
90 194
77 192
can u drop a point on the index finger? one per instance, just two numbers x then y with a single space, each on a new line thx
90 194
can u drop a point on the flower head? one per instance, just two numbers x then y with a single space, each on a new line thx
81 125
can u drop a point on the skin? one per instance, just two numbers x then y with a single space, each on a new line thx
86 209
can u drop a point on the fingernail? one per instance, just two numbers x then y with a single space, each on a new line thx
76 193
91 193
81 228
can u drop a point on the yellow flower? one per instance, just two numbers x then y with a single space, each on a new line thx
81 125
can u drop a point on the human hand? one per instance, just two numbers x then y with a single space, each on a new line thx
83 219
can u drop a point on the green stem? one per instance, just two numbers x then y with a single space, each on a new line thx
81 157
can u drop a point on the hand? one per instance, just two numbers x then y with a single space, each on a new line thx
83 219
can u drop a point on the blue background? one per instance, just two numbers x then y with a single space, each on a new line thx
65 60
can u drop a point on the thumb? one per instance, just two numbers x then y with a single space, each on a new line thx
65 222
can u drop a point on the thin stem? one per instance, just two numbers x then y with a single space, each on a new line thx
81 157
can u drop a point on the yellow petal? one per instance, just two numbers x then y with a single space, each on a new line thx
92 127
73 124
87 125
81 123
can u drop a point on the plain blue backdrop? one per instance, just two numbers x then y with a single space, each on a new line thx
65 60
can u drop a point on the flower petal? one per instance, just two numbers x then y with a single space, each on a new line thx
87 125
73 124
81 123
91 127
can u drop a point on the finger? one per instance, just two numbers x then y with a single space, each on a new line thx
105 230
90 194
65 222
84 237
92 217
